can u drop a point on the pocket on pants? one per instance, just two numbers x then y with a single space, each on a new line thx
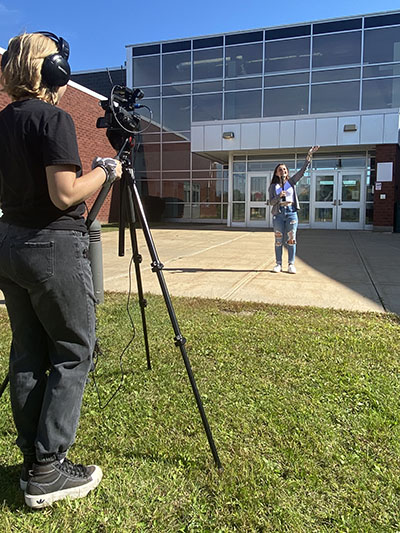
32 262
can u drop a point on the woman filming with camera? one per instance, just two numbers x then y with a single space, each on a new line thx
45 272
285 205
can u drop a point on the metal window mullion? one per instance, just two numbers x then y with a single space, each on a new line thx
361 64
310 66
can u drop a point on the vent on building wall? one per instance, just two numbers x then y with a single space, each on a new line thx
228 135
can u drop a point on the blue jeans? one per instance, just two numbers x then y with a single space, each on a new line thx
47 283
285 224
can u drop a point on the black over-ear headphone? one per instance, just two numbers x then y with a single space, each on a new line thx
56 71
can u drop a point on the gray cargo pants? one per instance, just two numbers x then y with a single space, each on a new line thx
47 283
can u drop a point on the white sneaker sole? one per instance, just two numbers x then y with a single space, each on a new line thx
38 501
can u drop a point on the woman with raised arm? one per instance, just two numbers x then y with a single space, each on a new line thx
285 204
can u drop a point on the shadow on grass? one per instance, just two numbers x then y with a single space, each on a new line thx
10 493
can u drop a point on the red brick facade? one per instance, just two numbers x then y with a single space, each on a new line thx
384 208
84 109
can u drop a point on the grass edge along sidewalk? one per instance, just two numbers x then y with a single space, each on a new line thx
302 402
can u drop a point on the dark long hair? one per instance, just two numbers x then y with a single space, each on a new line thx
277 179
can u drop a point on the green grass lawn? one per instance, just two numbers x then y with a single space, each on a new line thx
303 403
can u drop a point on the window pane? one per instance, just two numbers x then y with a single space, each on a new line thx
350 214
337 49
303 189
380 71
286 79
291 54
304 213
207 87
207 64
176 90
243 60
176 191
146 71
243 104
381 94
244 83
154 105
323 214
335 97
239 187
176 67
176 113
206 211
148 157
238 213
286 101
208 190
176 156
207 107
382 45
336 74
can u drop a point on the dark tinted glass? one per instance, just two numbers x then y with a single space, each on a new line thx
176 67
340 25
207 107
382 20
208 43
243 83
332 97
146 50
286 101
207 87
176 113
176 90
284 33
382 45
337 49
336 74
286 79
381 94
179 46
146 71
243 60
244 38
243 104
289 54
208 64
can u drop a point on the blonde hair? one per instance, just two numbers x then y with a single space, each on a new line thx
21 77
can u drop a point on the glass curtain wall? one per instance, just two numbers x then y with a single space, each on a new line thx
337 66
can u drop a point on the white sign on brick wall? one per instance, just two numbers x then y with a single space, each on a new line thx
384 172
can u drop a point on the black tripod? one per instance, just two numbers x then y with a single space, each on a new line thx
131 209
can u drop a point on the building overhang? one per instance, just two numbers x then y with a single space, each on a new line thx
349 131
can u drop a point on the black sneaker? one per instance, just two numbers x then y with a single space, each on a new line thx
56 481
26 471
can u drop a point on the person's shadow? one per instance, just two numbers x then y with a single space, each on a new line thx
10 493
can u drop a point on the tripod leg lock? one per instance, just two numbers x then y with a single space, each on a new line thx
179 340
143 303
156 266
137 258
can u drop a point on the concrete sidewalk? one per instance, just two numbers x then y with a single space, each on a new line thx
355 270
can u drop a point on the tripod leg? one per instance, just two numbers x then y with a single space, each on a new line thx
137 259
4 385
179 339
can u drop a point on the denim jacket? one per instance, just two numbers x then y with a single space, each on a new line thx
275 200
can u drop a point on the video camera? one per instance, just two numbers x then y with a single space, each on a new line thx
120 118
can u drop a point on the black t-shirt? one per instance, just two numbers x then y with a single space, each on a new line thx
34 135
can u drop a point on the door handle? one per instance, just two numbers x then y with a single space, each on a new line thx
334 202
340 202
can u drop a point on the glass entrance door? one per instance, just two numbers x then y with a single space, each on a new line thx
350 194
257 208
324 208
338 200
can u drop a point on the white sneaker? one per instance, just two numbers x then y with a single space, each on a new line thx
291 269
277 268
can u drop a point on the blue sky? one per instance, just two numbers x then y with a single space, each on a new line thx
99 31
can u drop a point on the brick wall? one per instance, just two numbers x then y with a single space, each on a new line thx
384 209
85 110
